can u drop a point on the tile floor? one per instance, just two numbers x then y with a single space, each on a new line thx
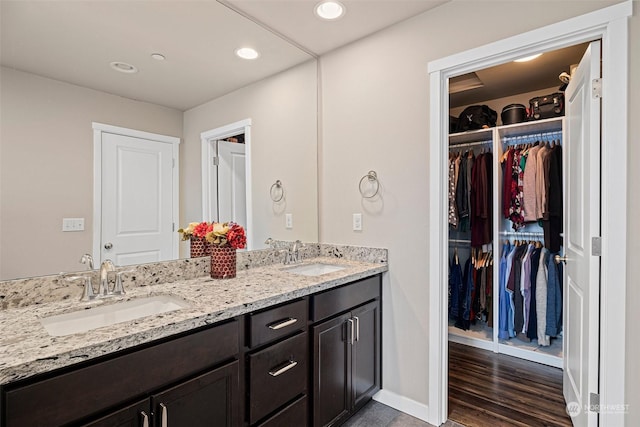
375 414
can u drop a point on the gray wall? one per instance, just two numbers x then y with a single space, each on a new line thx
46 166
375 96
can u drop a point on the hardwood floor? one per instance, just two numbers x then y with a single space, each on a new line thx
489 389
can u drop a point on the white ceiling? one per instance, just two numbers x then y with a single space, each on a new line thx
296 20
75 41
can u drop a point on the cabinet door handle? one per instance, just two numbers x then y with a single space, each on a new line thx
282 324
290 364
357 322
164 415
145 419
353 331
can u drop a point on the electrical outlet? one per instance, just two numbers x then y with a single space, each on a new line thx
288 221
357 222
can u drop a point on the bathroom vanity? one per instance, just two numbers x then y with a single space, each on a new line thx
271 347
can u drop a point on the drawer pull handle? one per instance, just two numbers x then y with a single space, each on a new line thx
352 335
164 415
290 364
145 419
283 324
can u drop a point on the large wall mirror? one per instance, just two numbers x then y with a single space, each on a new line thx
65 65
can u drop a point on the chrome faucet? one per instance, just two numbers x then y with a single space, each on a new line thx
292 254
88 260
106 267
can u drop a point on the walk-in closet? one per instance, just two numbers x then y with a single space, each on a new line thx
505 193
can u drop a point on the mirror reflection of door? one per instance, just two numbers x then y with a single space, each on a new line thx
137 197
232 201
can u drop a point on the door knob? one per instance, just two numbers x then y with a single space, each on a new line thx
558 259
108 246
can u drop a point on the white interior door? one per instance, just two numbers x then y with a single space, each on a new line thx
232 188
137 200
582 223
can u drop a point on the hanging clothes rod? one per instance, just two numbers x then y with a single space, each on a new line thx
523 234
533 137
469 144
466 241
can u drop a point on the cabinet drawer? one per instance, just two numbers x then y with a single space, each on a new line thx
277 374
277 322
88 390
294 414
344 298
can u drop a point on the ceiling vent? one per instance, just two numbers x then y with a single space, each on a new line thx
464 82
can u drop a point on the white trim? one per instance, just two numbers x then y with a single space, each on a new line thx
98 130
609 24
207 140
403 404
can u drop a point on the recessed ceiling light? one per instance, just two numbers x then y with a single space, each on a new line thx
158 56
528 58
247 53
330 10
123 67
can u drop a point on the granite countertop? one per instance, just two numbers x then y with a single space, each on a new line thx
26 349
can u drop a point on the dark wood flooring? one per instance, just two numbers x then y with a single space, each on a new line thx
489 389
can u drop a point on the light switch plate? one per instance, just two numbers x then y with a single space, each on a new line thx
72 224
288 221
357 222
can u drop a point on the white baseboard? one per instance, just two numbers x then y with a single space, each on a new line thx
404 404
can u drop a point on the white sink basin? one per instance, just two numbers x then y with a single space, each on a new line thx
97 317
315 269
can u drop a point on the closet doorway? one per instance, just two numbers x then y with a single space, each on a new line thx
610 26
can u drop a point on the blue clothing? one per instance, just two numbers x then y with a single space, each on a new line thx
455 286
503 305
554 297
511 312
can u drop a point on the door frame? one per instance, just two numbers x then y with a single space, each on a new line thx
208 150
98 130
611 26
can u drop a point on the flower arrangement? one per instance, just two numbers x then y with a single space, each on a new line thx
221 234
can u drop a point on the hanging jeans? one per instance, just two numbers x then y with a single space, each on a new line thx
554 297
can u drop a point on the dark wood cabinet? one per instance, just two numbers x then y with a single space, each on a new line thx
210 399
311 361
346 356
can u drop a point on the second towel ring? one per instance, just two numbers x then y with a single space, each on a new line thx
372 178
277 191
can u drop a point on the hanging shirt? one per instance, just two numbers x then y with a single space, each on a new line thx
503 296
541 298
453 214
529 185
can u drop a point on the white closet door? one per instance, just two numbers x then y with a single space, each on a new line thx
137 200
232 188
581 223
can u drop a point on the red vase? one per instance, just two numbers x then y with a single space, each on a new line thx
223 262
199 247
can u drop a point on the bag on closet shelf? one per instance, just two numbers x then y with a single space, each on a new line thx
546 107
453 124
476 117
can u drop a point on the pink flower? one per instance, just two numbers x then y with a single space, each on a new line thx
236 236
202 229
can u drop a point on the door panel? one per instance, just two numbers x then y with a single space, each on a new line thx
208 400
137 200
331 369
232 192
366 352
582 222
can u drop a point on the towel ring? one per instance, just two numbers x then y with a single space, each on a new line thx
277 191
372 178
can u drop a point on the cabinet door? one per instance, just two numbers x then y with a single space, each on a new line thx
136 415
208 400
365 372
331 371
